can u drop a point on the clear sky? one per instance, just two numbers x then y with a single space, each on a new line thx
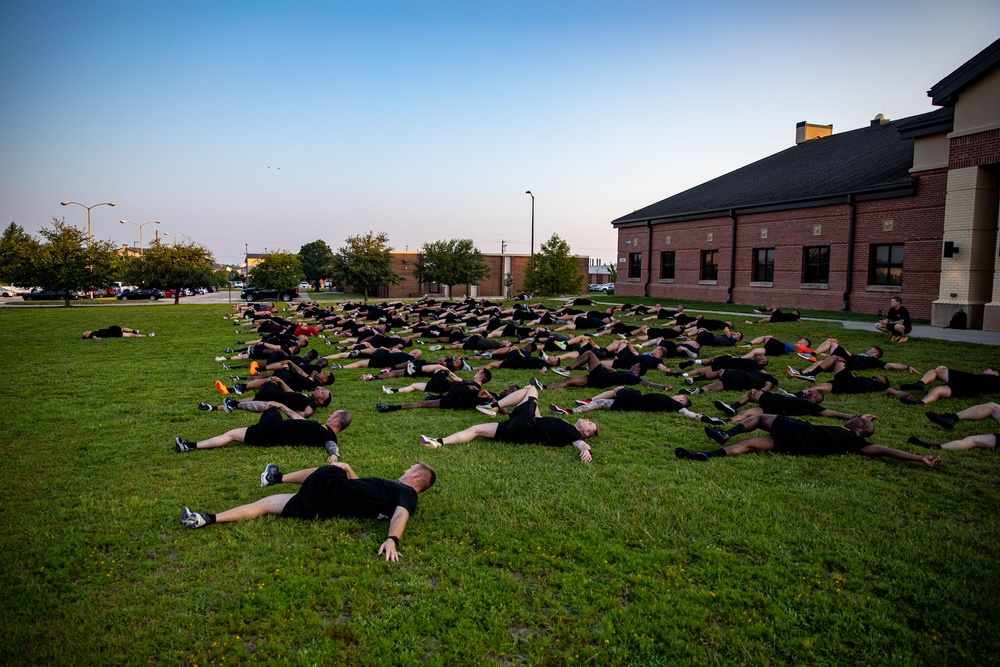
275 123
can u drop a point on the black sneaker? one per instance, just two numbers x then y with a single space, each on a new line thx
205 406
382 407
229 404
715 421
229 350
726 408
685 364
240 388
536 384
914 440
941 420
683 453
559 410
717 434
692 391
183 446
192 519
270 476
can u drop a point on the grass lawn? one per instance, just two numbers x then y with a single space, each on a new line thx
519 554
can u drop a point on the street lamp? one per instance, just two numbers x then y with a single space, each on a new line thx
107 203
528 192
174 235
140 226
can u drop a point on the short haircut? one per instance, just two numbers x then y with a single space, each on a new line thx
325 402
431 475
879 351
487 376
344 417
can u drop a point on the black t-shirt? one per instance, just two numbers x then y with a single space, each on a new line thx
524 427
725 361
328 493
845 382
632 400
900 314
272 430
296 401
792 436
858 362
792 406
601 378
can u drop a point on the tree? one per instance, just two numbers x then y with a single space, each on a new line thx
317 260
278 270
65 261
554 271
613 272
173 267
365 263
455 262
18 256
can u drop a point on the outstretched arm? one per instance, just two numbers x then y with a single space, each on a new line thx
397 524
584 450
879 450
892 366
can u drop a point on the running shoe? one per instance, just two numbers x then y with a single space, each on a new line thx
367 376
487 410
205 406
410 369
433 443
335 367
229 404
559 410
192 519
561 371
387 390
728 409
184 446
253 367
433 348
270 476
150 334
692 391
682 453
717 434
941 420
715 421
536 384
220 358
582 401
221 388
807 357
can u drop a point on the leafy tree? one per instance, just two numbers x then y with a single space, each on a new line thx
554 271
365 263
455 262
173 267
65 261
317 260
18 256
613 272
278 270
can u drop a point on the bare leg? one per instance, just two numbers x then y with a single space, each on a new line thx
764 443
985 441
941 391
416 386
236 435
269 505
980 412
471 433
746 414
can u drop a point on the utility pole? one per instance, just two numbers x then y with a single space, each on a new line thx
503 246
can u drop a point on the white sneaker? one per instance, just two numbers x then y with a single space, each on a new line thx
220 358
429 442
433 348
387 390
561 371
487 410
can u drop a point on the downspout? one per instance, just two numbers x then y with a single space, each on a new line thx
732 259
649 253
853 219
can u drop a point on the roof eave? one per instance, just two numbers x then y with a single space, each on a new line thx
905 188
945 92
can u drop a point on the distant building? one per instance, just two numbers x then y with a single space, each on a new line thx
501 266
843 221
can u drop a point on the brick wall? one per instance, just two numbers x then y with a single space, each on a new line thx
915 221
975 150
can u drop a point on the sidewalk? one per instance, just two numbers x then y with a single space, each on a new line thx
919 331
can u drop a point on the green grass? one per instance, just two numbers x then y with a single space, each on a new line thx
519 555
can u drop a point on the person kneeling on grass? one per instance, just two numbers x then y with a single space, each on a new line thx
799 438
271 430
525 426
333 491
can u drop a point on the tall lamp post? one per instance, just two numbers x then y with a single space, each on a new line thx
532 261
107 203
140 226
174 235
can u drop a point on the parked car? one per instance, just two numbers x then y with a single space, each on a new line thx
10 290
594 287
607 287
261 294
147 294
304 284
49 295
238 283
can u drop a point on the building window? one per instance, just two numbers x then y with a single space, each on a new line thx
667 265
635 265
886 266
434 288
816 264
709 264
763 265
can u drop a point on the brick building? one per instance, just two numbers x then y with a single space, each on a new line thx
843 220
404 262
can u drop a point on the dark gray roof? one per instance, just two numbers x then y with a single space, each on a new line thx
868 161
946 91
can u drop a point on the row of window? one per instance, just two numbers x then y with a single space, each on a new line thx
885 264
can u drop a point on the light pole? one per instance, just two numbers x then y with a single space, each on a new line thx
174 235
140 226
107 203
532 261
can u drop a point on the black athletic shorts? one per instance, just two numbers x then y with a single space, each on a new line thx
439 383
314 493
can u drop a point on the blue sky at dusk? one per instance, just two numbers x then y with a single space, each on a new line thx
278 123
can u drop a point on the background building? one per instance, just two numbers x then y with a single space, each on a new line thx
843 221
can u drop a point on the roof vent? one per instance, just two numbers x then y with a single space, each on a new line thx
807 131
879 121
